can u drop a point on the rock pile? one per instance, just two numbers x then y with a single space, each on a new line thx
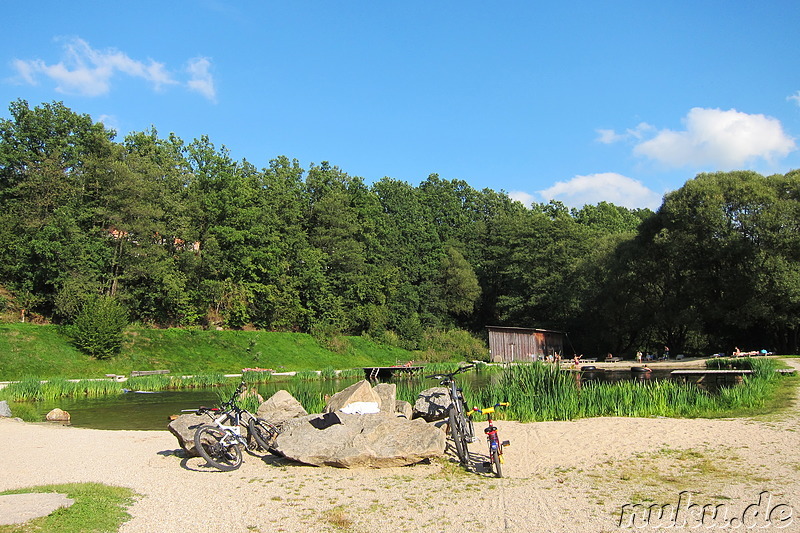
361 426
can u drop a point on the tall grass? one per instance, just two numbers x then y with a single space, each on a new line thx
541 392
306 375
310 397
252 377
32 389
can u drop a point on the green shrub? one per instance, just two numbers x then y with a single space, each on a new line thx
98 327
453 344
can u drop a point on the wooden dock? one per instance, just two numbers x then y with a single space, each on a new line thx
373 373
720 375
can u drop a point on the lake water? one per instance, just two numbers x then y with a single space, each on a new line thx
151 411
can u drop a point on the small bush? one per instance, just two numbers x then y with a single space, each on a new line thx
453 344
98 327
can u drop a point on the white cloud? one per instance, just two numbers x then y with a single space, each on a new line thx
795 97
637 133
607 186
202 81
721 139
523 197
89 72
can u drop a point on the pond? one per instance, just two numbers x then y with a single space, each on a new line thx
151 411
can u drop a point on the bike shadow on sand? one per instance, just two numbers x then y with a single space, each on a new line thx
195 463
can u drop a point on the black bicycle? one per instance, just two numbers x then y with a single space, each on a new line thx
221 444
461 430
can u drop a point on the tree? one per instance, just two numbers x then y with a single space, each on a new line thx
98 327
458 286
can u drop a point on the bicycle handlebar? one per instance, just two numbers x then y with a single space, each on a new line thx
451 375
489 410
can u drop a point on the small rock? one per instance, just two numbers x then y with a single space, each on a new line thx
57 415
5 410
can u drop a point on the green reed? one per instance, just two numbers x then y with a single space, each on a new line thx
350 373
310 397
26 389
26 411
306 375
254 377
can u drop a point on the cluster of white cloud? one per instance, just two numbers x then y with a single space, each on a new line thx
606 186
713 138
88 72
722 140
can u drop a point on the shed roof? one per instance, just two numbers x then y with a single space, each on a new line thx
508 328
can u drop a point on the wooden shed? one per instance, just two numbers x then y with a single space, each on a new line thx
524 344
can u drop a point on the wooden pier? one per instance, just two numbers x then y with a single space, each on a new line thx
723 376
373 373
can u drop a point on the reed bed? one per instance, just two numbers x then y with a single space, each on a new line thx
539 392
350 373
310 397
254 377
306 375
34 390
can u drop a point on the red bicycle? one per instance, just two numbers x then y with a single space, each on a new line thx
495 445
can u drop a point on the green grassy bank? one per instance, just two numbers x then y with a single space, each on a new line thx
46 352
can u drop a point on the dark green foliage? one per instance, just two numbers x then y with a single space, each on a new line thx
184 235
98 328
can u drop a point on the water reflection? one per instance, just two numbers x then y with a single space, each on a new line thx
136 411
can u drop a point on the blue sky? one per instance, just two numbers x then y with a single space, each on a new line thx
578 101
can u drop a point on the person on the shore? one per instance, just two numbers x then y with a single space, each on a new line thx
639 356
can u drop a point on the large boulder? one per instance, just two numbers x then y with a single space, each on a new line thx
5 410
184 427
350 441
357 392
387 392
432 404
280 407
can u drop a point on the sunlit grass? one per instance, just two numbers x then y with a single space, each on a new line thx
97 508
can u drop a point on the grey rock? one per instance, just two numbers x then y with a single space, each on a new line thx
357 392
404 409
352 441
280 407
5 410
184 427
387 392
432 404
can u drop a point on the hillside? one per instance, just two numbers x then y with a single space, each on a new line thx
44 351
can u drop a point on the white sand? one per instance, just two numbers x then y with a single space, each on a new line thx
560 476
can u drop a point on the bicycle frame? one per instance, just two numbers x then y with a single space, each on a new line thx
456 397
492 438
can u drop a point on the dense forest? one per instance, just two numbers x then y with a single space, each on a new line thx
180 234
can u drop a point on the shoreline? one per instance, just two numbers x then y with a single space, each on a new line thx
572 477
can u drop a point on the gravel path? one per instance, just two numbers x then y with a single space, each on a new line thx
561 476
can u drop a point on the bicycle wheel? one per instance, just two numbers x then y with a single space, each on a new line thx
469 430
498 470
210 442
263 432
457 434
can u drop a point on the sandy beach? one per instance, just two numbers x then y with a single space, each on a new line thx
577 476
